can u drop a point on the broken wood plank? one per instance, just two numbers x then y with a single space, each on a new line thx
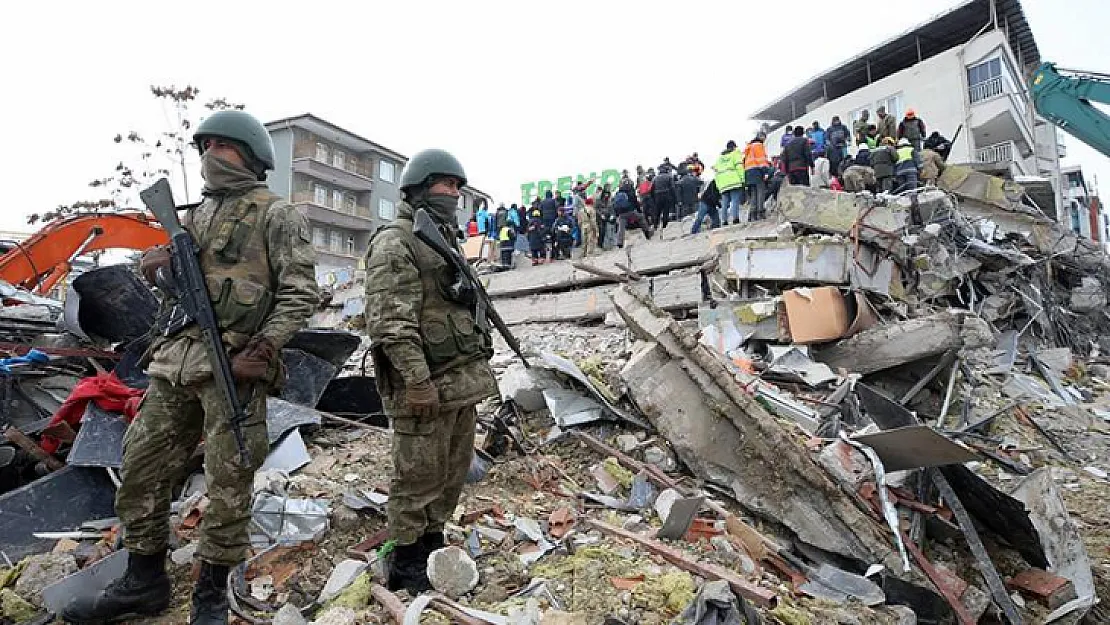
22 441
390 602
668 292
760 596
887 346
601 273
982 558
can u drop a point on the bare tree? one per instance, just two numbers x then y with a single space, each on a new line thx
145 161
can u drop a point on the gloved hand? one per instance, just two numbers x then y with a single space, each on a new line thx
422 399
152 260
253 362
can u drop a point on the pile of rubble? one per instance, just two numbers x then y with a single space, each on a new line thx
867 409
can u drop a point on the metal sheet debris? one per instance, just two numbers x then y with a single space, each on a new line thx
99 442
62 500
288 455
915 447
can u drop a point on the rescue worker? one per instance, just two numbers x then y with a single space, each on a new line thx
882 160
912 129
886 127
431 360
905 166
859 128
258 259
931 167
756 168
729 176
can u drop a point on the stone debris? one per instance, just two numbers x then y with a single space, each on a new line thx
452 572
711 426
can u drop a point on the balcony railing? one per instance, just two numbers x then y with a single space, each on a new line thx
997 153
985 90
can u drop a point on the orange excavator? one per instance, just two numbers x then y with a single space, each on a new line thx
41 261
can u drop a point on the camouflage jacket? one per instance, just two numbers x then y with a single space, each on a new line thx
417 332
258 259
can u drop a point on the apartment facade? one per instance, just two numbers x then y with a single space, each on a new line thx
1083 211
965 71
346 186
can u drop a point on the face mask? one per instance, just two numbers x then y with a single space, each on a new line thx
221 175
443 206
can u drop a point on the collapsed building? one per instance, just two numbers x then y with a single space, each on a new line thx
872 409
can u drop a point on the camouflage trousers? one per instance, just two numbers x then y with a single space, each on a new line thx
430 460
156 449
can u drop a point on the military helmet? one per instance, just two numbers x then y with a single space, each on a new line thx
241 127
428 163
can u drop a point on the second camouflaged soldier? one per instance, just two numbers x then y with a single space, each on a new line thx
257 257
431 362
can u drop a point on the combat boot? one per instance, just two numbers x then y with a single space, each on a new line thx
143 590
407 568
432 541
210 596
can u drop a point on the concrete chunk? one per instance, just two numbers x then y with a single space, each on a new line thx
726 437
884 347
452 572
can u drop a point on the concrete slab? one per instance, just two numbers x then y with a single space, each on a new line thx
669 293
887 346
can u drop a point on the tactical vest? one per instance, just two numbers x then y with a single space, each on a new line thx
233 256
449 334
231 235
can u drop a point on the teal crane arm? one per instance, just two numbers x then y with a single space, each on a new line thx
1064 98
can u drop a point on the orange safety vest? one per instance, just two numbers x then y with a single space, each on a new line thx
755 155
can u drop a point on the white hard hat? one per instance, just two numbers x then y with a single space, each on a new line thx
903 142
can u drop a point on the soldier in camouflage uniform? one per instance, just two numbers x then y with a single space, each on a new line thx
259 263
431 364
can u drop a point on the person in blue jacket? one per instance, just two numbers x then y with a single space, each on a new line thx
817 134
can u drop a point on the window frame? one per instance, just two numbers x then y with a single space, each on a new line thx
317 190
382 203
322 152
383 162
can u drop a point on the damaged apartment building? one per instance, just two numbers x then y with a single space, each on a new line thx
345 184
965 73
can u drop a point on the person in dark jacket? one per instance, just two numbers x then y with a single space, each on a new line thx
562 233
787 137
882 161
536 236
664 197
837 137
688 187
709 204
549 209
797 158
627 215
912 129
863 155
939 144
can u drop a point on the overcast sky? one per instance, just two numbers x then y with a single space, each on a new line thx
519 91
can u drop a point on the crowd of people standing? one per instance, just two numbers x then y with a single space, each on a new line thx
889 158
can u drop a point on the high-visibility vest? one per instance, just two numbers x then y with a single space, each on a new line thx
755 155
905 154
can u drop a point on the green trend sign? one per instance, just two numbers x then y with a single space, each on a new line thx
532 190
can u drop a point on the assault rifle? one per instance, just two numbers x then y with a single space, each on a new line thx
467 286
188 286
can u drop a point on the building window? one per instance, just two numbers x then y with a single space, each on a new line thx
337 199
350 246
985 80
339 159
893 106
386 209
320 193
322 152
319 236
386 170
349 203
336 241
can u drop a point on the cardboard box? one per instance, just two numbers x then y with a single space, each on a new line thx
816 315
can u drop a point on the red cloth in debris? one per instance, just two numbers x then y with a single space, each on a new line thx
106 391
